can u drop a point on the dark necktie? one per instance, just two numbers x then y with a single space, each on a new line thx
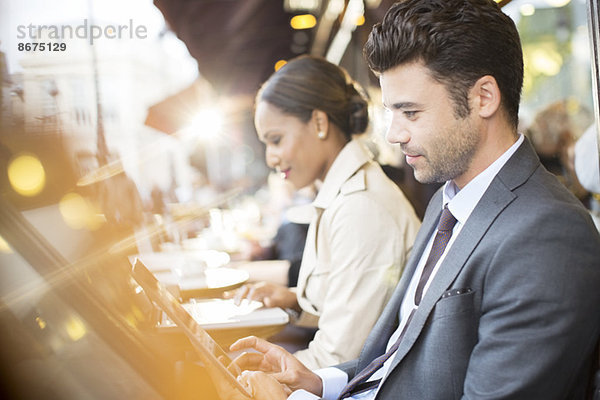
444 232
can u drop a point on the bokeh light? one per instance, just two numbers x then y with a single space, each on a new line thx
558 3
79 213
4 246
26 175
304 21
207 123
527 10
546 61
280 64
75 329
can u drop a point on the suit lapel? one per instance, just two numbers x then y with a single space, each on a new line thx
496 198
466 242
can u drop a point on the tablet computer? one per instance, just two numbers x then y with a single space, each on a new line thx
210 353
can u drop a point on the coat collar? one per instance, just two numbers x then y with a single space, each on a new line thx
350 159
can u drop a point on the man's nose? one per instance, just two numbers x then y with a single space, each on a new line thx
397 133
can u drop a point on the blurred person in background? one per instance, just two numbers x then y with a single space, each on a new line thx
586 160
307 114
587 167
291 211
553 134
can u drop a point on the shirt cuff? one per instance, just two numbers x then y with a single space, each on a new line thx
302 395
334 381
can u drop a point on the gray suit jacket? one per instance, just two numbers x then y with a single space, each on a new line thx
529 256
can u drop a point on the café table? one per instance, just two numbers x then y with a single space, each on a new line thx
199 278
194 274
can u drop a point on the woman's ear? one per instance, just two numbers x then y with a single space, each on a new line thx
321 123
487 96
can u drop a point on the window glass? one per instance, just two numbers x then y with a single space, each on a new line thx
51 351
557 105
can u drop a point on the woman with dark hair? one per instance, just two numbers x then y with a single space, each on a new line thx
363 227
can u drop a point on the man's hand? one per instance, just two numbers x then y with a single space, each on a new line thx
270 294
259 386
263 386
277 362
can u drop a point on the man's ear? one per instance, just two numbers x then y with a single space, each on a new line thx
486 96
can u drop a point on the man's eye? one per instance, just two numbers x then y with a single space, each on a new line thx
410 114
275 141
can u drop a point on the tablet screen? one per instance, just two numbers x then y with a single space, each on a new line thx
209 351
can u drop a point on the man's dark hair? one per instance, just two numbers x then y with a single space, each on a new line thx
459 41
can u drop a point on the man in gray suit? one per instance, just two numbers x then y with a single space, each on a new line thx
502 299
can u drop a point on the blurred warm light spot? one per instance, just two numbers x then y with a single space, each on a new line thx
303 4
558 3
206 124
137 313
304 21
158 219
546 61
41 323
131 320
527 10
573 106
279 64
4 246
75 329
26 175
79 213
360 21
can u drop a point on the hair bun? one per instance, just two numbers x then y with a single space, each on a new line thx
358 110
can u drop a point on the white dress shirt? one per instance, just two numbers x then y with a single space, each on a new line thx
461 202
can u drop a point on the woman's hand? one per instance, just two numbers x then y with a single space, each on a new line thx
278 363
272 295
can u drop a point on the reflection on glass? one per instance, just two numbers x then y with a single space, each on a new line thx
556 53
557 102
